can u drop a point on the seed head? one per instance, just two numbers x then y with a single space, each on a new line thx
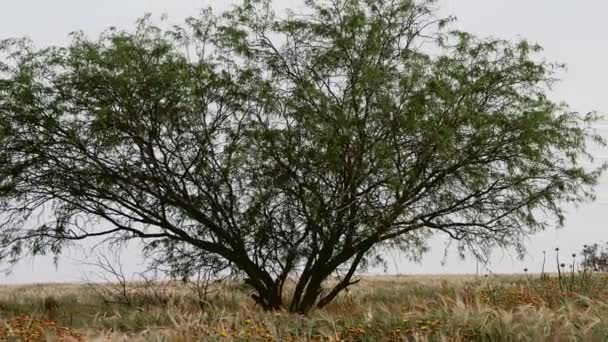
556 249
525 270
563 265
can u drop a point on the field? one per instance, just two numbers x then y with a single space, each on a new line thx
388 308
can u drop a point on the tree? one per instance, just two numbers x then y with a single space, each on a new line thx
595 258
298 148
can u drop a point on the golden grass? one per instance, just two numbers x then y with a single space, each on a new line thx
382 308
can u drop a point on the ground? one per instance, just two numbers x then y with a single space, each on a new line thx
572 306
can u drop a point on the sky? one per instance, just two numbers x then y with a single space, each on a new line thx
572 32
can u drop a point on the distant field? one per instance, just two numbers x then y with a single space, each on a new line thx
381 308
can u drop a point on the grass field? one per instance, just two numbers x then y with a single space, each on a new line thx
388 308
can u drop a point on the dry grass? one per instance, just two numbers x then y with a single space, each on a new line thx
386 308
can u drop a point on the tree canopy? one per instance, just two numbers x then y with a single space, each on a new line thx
290 148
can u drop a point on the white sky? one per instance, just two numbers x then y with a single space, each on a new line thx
573 32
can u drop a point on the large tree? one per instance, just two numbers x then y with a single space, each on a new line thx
297 147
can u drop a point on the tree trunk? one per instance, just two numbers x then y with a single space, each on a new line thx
344 283
311 294
269 300
309 287
300 286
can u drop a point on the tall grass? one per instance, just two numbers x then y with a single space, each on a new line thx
392 308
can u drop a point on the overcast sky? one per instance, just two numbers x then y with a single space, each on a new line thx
573 32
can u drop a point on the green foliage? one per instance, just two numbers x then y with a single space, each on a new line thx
296 146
